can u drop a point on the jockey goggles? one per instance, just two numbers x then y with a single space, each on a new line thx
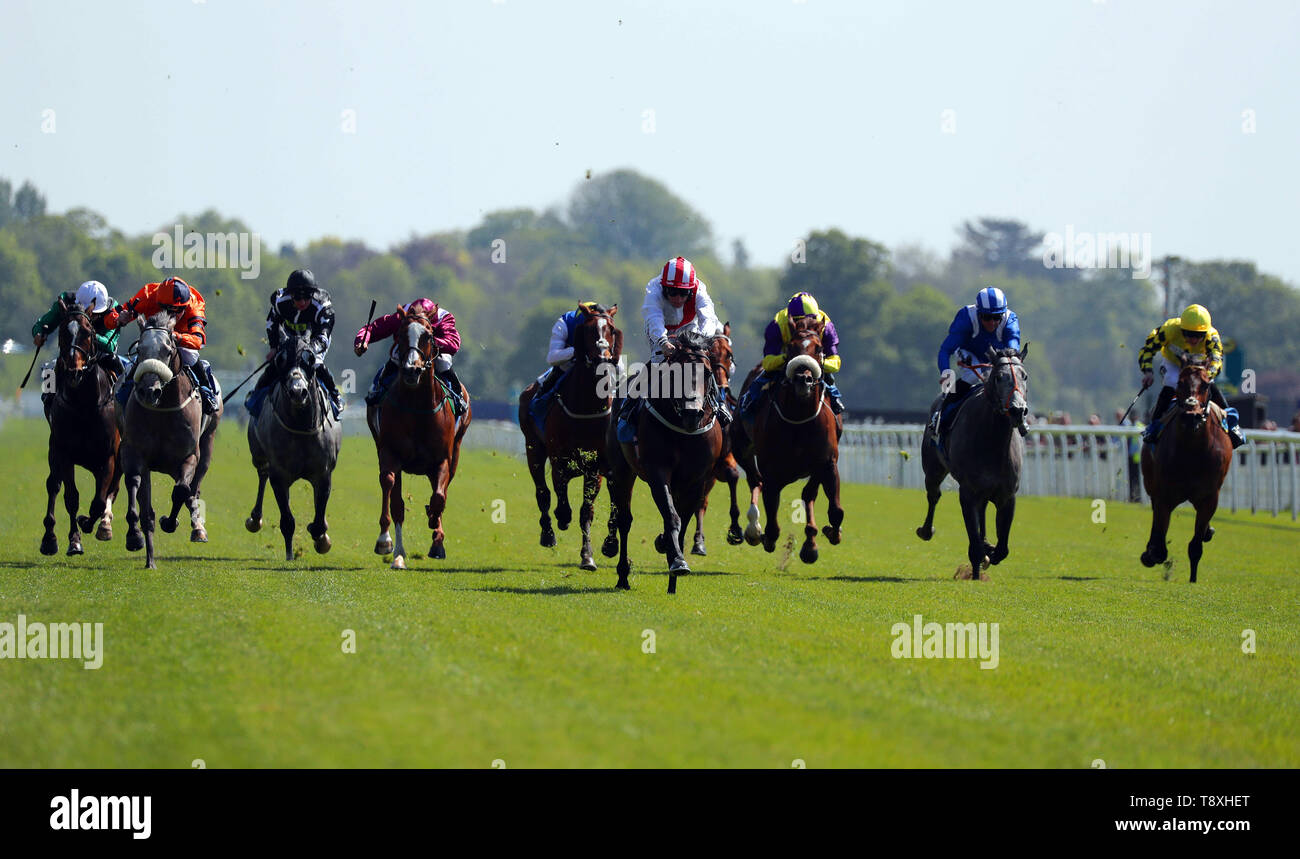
677 292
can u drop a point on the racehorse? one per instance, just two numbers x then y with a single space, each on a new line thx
164 429
678 443
83 431
417 433
983 452
795 435
575 428
295 437
727 469
1187 463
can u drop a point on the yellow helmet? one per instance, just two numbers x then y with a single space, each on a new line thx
1195 318
801 304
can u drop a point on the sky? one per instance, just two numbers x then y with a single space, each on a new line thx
895 121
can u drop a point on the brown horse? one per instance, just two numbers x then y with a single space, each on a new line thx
163 429
678 443
795 435
83 432
575 429
417 433
1187 463
726 469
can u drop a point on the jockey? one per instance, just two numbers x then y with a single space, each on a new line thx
92 297
777 336
1169 346
989 322
676 301
187 304
445 337
559 353
301 307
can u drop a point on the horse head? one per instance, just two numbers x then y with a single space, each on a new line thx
1192 394
77 344
1008 384
597 339
295 365
692 354
803 357
159 359
722 357
414 342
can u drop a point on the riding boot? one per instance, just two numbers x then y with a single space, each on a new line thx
327 379
548 381
719 403
1231 417
837 403
254 399
754 394
937 421
382 380
205 396
1152 432
201 375
454 386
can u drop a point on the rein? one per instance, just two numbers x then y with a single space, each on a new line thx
821 401
699 431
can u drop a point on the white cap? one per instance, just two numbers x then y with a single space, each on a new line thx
93 296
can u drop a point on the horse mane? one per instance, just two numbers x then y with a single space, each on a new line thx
161 319
693 341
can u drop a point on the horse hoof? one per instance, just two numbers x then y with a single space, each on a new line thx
832 534
438 552
198 535
323 544
659 544
609 548
399 563
698 549
548 539
150 565
679 568
984 563
134 540
588 564
769 546
74 548
383 545
85 523
623 585
104 532
808 555
49 545
753 536
562 522
734 537
1147 560
167 523
253 525
1209 533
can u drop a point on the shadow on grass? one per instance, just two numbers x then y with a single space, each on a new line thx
877 579
554 591
1079 578
294 565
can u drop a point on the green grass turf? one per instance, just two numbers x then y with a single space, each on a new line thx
506 651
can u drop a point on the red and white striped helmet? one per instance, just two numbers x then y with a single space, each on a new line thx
679 274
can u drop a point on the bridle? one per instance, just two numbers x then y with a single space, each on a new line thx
698 357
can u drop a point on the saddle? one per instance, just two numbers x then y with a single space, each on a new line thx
1212 409
540 406
948 415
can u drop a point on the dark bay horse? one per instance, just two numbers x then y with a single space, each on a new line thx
83 432
727 470
678 443
984 451
164 429
795 435
417 433
575 429
1187 463
295 437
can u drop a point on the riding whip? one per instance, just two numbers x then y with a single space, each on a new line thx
33 366
227 397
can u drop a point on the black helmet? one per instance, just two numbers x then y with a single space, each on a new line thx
301 283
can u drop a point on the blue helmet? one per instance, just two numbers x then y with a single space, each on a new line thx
991 301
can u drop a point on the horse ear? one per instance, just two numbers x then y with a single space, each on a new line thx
991 355
726 328
1024 350
613 310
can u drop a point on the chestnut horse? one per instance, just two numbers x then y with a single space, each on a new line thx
83 431
417 433
726 469
795 435
574 438
678 443
1187 463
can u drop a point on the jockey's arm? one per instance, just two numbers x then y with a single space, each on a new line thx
773 348
49 320
323 331
274 331
1155 341
558 351
384 326
190 332
1213 354
958 333
830 347
653 314
445 335
1011 333
709 324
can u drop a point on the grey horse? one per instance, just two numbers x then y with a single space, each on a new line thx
294 437
163 429
984 451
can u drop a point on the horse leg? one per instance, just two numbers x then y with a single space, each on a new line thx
609 548
254 521
319 528
287 523
71 500
697 547
934 475
754 528
134 536
105 530
672 523
537 469
147 518
387 479
1204 513
734 535
834 510
49 542
99 502
181 492
772 506
1156 551
983 517
199 534
399 519
972 512
438 504
1006 512
808 551
562 471
590 489
620 499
